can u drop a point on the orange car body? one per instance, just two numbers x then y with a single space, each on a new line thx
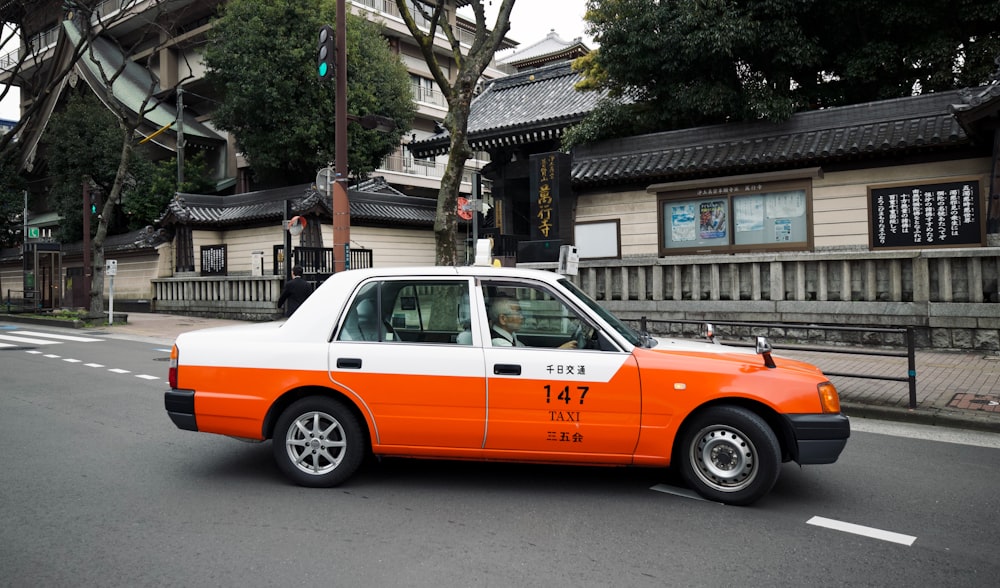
420 394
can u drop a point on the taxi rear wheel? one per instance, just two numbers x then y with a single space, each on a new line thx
730 455
318 442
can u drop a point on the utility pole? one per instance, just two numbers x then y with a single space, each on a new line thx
180 136
341 205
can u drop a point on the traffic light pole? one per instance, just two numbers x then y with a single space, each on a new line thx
341 205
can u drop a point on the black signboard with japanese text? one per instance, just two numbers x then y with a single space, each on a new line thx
940 214
213 260
549 178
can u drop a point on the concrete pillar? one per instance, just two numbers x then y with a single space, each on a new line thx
871 281
777 280
822 283
657 282
975 277
921 280
944 280
845 280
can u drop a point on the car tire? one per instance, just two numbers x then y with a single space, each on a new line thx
318 442
729 454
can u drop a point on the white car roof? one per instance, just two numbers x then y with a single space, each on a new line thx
331 297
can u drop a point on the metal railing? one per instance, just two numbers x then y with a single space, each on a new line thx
317 262
767 329
22 300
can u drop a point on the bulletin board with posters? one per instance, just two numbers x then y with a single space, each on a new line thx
934 214
737 216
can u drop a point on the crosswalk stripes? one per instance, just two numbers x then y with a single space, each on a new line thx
19 337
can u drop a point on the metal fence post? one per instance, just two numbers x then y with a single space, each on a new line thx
911 368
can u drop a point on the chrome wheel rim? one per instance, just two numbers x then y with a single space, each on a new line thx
316 443
724 458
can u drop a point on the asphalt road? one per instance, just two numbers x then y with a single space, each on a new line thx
98 488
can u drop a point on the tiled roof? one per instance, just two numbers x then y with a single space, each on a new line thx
979 106
862 131
142 239
373 202
550 48
530 106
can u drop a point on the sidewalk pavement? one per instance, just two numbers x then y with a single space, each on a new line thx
954 388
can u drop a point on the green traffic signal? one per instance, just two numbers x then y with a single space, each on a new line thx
326 52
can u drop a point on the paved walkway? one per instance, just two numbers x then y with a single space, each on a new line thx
954 388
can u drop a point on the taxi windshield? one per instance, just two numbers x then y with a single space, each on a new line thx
634 337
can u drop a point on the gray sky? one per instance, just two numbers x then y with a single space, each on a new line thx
531 20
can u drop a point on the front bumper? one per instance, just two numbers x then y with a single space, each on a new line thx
819 438
180 407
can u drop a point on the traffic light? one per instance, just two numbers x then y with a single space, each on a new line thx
326 54
95 203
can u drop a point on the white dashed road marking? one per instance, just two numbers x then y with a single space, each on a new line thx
862 530
20 337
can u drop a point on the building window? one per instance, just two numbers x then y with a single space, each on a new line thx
741 214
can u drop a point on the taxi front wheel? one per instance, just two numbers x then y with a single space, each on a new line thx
730 455
318 442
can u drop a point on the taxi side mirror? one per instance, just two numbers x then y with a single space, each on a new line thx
764 350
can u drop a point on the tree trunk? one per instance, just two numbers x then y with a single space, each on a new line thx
446 219
97 243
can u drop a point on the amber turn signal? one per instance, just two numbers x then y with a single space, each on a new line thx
828 397
172 373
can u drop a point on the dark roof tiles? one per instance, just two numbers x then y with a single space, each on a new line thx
373 201
807 138
527 107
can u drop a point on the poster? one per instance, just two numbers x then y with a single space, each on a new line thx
682 227
749 212
713 219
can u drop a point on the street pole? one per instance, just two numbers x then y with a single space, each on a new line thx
180 137
87 270
341 205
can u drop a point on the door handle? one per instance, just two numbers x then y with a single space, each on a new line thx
506 369
349 363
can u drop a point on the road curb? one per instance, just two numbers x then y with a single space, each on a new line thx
54 322
923 416
46 322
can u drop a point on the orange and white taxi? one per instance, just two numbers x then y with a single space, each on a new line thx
484 363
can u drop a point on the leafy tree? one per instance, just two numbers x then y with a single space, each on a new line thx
84 143
143 210
11 202
673 63
458 89
262 58
877 50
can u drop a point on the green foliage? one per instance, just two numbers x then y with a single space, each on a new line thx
84 140
262 58
143 210
698 62
11 202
